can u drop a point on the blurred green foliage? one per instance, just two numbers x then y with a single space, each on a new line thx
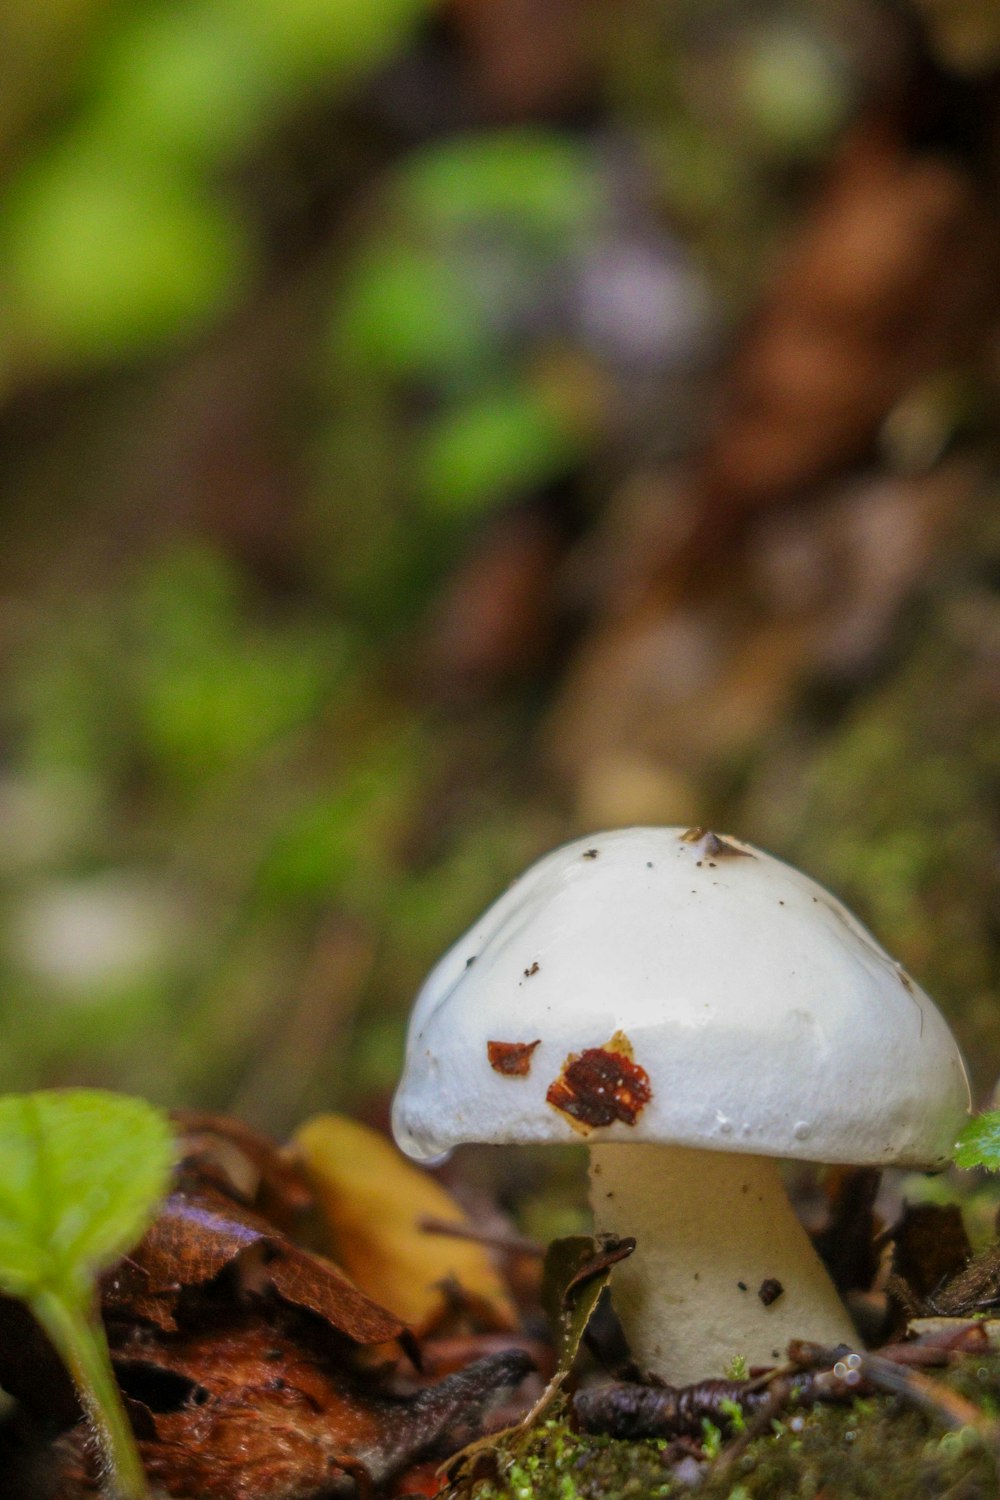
119 234
105 258
501 444
407 313
214 689
542 185
200 780
174 676
449 301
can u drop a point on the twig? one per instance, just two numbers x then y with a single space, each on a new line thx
930 1395
512 1243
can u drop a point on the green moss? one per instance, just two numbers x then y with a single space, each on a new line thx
878 1448
554 1463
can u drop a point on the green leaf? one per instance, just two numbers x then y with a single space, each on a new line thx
326 42
979 1143
105 257
575 1273
214 687
184 82
80 1172
492 448
408 312
538 181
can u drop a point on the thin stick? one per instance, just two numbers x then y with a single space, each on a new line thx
510 1243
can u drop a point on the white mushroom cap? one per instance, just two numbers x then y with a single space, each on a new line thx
764 1016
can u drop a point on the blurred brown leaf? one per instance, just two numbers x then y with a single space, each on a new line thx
891 275
496 618
374 1203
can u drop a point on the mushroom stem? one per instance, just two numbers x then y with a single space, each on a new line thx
711 1227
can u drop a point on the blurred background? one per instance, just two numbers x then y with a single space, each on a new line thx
430 431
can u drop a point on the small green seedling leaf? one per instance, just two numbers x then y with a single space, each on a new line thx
81 1172
979 1143
711 1439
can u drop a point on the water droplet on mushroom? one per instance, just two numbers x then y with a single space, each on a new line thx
724 1123
800 1130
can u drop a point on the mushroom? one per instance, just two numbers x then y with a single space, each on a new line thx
693 1009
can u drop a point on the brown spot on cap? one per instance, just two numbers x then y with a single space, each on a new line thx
512 1059
769 1290
591 853
620 1043
532 969
601 1085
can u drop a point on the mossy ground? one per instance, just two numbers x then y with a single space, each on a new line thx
889 801
878 1448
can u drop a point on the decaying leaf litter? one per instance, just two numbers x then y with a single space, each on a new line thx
251 1365
253 1368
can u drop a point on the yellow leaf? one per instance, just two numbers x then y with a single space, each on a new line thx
373 1201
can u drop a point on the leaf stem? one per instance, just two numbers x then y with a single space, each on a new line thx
83 1348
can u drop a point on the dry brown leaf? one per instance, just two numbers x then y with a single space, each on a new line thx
244 1163
256 1405
197 1235
373 1202
929 1249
